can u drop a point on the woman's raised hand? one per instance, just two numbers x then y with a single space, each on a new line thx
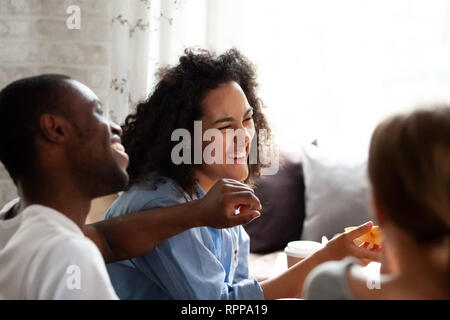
218 207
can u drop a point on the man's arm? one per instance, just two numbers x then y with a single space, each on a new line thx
133 234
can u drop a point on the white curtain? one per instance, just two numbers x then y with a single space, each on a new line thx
130 23
147 35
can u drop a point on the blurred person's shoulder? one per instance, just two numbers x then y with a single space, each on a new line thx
329 281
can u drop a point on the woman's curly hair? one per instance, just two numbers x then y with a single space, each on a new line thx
176 103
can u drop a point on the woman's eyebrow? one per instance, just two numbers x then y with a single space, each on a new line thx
250 109
228 119
231 119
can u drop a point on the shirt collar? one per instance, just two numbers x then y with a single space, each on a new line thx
54 215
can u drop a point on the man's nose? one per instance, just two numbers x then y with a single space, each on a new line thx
115 129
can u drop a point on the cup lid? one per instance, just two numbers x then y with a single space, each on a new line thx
302 248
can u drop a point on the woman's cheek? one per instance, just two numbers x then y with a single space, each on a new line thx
228 145
251 130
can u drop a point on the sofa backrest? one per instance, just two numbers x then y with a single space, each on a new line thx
283 199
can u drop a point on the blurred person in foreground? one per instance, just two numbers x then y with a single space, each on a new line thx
409 170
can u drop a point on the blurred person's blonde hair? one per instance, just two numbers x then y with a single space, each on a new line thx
409 168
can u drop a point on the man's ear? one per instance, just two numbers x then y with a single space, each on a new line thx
53 127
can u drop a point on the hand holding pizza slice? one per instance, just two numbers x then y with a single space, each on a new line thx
374 236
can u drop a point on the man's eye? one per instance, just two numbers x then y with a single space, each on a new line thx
223 128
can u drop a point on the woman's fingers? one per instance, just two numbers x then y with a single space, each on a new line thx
245 217
359 231
363 253
376 247
244 198
223 199
236 184
364 245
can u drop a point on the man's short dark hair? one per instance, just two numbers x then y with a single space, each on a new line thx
21 104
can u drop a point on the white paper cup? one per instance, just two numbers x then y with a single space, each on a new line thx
299 250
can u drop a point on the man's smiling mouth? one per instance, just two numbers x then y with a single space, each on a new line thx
118 147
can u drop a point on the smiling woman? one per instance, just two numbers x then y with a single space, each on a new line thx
227 109
220 91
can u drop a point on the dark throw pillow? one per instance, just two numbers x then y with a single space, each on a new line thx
282 198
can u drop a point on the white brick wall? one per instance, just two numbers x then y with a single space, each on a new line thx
34 39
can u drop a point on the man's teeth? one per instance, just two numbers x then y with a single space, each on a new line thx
118 147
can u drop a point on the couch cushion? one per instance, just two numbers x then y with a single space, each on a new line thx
336 192
282 198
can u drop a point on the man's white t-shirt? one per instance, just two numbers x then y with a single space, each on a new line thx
45 255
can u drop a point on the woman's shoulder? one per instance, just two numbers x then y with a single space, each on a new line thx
157 184
329 281
155 191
